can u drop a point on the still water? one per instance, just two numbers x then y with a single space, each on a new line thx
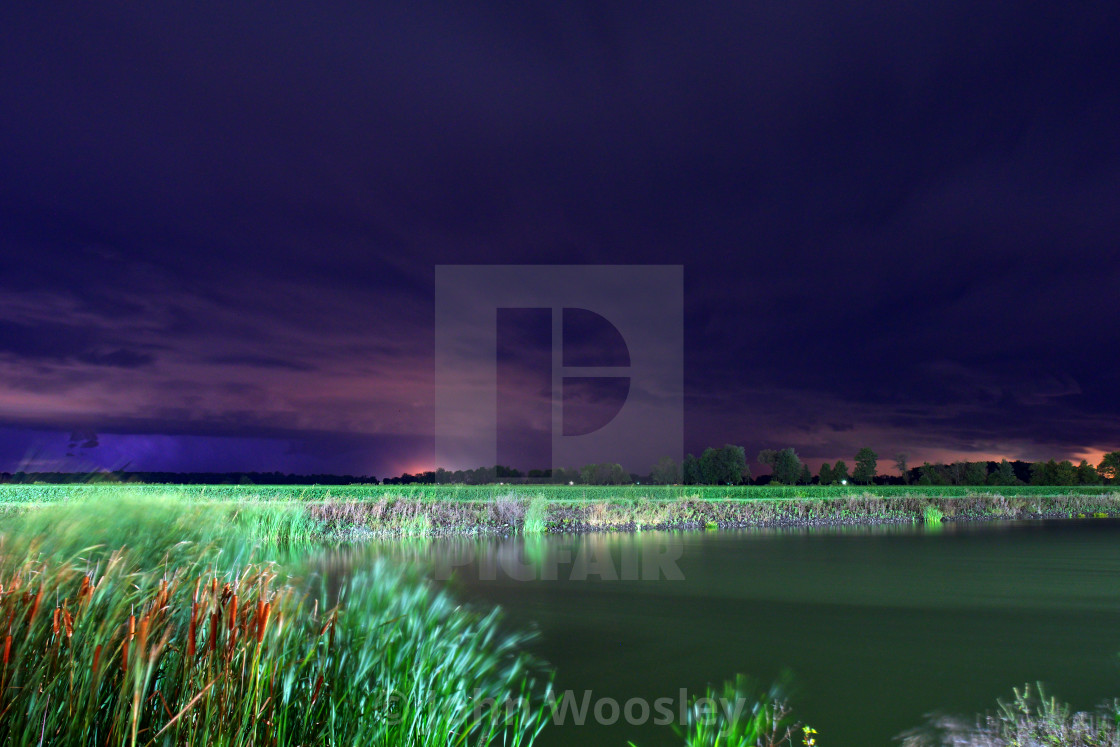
879 626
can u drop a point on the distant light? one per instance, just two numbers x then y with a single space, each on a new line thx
843 482
570 482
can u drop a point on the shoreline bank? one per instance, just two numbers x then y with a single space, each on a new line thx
522 515
356 513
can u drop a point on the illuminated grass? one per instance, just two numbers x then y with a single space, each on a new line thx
932 515
742 714
535 516
22 494
295 516
157 640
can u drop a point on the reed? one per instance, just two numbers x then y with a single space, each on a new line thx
742 714
200 643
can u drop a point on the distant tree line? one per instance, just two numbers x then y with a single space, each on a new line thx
1052 472
727 465
479 476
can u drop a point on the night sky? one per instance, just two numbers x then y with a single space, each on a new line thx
220 222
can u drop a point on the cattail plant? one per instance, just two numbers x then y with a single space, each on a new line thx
173 643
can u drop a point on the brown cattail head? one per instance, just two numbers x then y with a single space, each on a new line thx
191 629
35 606
262 624
54 620
144 622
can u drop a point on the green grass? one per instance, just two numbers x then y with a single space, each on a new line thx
535 516
298 516
16 494
742 714
150 620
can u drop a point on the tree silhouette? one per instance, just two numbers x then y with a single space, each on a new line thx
866 461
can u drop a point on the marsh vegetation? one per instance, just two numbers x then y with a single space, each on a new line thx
152 622
180 617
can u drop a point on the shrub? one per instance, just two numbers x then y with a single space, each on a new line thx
1025 721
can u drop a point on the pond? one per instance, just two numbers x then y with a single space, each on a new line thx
879 626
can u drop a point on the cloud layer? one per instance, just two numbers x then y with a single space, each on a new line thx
898 223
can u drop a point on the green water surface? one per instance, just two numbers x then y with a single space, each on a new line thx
879 626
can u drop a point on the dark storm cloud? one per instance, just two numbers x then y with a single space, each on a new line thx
897 217
46 341
260 361
120 358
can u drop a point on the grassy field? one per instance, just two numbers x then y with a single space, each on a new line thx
296 514
559 493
